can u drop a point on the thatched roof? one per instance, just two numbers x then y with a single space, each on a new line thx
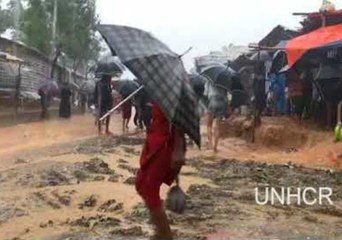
314 21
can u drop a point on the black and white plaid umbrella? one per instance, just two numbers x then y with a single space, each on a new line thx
160 70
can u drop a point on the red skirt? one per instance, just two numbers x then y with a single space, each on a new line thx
155 162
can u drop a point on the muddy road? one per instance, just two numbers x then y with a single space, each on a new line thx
73 185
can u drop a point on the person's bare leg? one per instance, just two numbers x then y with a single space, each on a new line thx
210 130
123 125
161 223
216 134
127 122
99 127
107 125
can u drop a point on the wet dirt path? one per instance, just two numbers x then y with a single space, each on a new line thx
56 182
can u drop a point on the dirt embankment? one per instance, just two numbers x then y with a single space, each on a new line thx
273 132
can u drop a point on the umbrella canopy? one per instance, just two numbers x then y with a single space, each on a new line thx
109 66
198 84
323 39
49 87
219 75
160 70
126 87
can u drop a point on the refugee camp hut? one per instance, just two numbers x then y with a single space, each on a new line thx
35 69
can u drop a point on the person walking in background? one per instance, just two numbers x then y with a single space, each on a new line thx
44 103
161 161
47 90
296 94
65 104
278 86
138 121
103 101
126 114
84 101
217 109
144 109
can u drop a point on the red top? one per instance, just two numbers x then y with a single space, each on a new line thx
158 135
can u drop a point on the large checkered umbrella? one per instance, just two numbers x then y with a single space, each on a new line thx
160 70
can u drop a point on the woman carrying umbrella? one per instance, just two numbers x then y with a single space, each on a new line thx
126 114
174 113
160 162
217 110
126 88
103 100
219 81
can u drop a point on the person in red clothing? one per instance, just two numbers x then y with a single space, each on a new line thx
161 161
126 114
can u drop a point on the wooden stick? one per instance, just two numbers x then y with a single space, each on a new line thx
255 46
120 104
301 14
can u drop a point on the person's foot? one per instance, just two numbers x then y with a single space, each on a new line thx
109 133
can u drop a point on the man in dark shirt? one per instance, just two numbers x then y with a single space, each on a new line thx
103 100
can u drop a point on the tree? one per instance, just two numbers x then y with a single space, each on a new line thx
82 45
36 27
5 21
75 29
13 11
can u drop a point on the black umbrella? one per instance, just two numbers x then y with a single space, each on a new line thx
160 70
198 84
262 56
49 87
126 87
220 75
108 66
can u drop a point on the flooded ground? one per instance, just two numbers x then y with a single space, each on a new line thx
59 181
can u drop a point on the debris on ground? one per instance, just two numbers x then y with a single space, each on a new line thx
110 206
95 165
97 221
130 181
89 202
130 169
99 145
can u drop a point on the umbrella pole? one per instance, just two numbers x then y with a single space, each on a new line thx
121 103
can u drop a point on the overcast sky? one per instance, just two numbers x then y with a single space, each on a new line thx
205 24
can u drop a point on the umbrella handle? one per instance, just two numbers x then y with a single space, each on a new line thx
121 103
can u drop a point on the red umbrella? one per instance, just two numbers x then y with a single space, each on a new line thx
325 38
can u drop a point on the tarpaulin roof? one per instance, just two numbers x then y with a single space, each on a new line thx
326 38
